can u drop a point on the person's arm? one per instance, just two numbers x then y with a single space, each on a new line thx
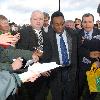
5 66
8 84
7 55
10 81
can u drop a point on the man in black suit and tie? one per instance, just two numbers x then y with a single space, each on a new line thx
89 47
64 50
30 36
34 37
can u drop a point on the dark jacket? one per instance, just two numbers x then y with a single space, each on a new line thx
64 78
7 56
72 44
29 40
87 46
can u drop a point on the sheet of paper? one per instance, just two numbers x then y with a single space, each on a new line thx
38 67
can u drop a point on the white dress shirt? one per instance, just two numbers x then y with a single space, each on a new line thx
58 44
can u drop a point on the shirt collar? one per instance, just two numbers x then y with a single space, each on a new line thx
63 33
37 31
90 33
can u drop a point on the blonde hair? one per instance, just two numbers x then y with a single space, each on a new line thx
2 17
36 11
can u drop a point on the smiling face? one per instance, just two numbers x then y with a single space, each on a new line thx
4 26
58 24
37 20
88 23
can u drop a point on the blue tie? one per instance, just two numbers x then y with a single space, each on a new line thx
87 35
63 51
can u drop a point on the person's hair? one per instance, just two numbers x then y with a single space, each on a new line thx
87 15
95 25
46 15
56 14
36 11
98 9
77 19
2 17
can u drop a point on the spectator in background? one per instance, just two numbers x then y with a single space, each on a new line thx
46 22
78 24
95 25
98 23
69 24
13 27
98 9
5 28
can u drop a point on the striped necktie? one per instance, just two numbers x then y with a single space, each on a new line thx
40 40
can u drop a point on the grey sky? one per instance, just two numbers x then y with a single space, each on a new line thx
19 11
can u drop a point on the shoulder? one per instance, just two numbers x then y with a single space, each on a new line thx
45 35
27 32
26 29
71 32
96 30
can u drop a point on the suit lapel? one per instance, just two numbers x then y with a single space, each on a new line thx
33 37
69 41
95 32
56 49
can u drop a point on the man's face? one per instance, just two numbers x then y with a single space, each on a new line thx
58 24
88 23
4 26
78 22
70 25
46 22
37 20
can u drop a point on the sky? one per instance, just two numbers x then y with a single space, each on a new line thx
19 11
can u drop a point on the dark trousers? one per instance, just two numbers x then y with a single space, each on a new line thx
37 90
12 97
62 87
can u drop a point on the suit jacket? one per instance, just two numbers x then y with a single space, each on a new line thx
87 45
29 40
72 48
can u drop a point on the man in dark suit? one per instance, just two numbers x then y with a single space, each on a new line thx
34 37
63 79
89 41
30 36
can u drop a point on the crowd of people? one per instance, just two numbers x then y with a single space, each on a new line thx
74 45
